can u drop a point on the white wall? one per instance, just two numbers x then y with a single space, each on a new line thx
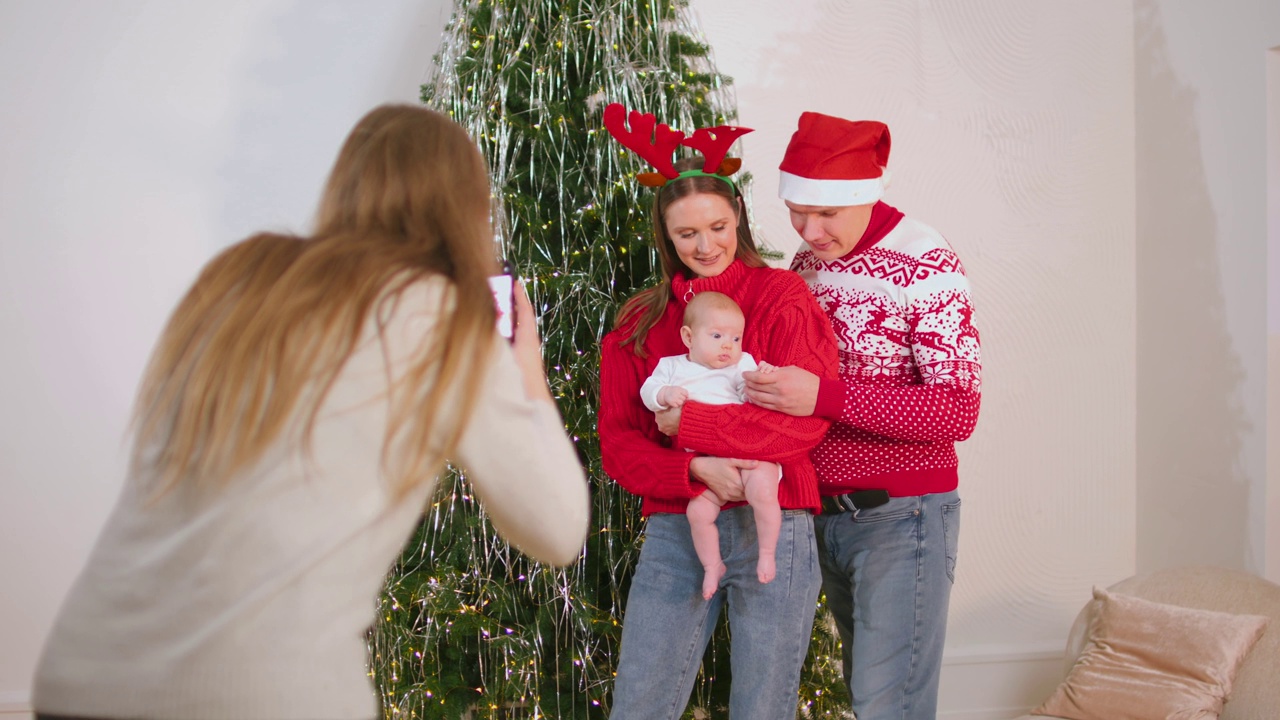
1012 127
139 137
1202 283
1273 316
136 139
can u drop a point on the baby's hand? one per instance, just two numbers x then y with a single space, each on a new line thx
672 396
766 368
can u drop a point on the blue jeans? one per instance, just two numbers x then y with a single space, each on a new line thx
887 572
666 624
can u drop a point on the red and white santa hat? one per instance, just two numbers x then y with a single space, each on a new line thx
835 162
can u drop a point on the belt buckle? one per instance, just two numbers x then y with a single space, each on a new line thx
831 505
859 500
863 499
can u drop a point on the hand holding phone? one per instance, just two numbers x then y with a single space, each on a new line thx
504 286
527 346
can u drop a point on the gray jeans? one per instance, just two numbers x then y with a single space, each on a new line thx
667 624
887 572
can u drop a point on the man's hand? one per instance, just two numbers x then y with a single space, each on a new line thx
789 390
723 476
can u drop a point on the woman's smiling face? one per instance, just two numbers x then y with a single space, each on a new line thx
704 230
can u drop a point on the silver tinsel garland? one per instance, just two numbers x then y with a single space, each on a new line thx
468 627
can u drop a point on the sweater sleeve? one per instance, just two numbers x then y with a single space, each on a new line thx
798 334
631 446
946 350
917 413
524 468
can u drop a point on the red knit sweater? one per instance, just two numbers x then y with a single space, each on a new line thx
910 369
784 326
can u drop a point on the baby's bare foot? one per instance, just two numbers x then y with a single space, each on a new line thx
711 580
766 569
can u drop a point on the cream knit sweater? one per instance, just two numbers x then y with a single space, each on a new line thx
252 600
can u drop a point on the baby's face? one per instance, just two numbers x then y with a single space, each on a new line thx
715 341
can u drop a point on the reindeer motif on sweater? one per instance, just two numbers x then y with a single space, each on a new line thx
910 362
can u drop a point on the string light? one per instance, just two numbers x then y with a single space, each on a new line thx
468 626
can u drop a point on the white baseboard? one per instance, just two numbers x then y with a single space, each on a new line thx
997 683
983 684
15 705
988 714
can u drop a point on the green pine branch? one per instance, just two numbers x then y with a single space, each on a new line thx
469 628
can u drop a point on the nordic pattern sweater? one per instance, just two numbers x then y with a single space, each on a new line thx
910 368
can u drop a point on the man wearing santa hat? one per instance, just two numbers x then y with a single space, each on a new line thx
909 389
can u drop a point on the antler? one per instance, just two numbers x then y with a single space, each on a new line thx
714 144
655 147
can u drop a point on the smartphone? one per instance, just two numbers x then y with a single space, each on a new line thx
504 289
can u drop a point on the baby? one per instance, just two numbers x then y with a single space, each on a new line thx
712 373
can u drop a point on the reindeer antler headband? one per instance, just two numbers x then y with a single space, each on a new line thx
656 146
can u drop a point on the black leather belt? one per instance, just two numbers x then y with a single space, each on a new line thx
856 500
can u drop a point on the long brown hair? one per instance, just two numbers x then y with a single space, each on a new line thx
261 336
647 306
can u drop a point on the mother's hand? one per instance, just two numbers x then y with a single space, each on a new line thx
668 421
722 475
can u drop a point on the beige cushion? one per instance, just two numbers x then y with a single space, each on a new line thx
1146 659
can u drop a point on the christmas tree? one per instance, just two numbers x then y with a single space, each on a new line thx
468 627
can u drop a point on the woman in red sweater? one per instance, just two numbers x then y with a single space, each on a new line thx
705 244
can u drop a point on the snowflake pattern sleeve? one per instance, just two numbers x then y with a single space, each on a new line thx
910 362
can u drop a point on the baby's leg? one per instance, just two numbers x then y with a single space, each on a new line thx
702 513
762 493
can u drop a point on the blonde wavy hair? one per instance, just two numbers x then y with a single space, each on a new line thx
261 336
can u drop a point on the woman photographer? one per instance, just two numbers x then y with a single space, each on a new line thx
296 411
